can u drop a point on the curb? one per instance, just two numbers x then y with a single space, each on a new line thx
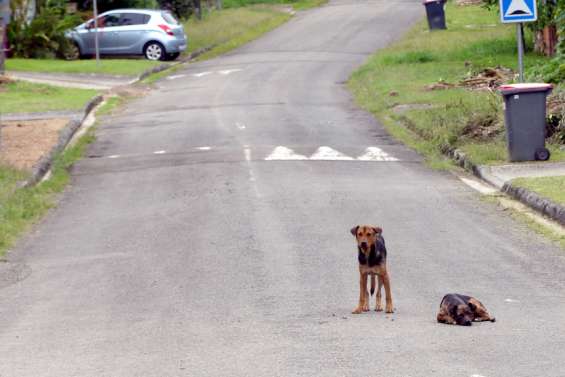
44 164
545 206
42 167
165 66
540 204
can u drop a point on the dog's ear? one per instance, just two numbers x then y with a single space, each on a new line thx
377 230
354 230
472 306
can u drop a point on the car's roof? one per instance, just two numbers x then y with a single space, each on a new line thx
135 10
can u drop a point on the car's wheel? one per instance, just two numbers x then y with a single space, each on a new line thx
154 51
173 55
72 52
542 154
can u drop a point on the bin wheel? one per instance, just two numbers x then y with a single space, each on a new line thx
542 154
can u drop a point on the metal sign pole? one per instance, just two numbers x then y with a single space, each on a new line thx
2 55
96 46
520 51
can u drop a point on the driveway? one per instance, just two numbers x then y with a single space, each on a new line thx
207 234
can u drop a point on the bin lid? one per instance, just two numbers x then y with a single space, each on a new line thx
525 88
432 1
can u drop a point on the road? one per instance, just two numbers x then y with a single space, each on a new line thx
207 234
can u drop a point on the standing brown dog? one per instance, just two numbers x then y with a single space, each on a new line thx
372 261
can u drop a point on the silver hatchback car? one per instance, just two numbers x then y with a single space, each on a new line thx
156 34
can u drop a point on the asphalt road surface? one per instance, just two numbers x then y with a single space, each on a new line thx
207 234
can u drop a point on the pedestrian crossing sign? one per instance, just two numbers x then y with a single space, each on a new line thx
518 11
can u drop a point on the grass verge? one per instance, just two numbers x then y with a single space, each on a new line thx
20 208
552 188
19 96
126 67
395 86
228 29
231 28
526 216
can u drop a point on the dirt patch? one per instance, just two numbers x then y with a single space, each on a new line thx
440 85
402 108
5 80
468 2
488 78
483 127
25 142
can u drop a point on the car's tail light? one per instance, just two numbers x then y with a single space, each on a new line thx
166 29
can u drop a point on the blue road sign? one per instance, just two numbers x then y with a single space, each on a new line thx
518 11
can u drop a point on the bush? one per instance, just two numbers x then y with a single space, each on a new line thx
44 36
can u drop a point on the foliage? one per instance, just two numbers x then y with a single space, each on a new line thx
44 36
106 5
180 8
548 11
554 70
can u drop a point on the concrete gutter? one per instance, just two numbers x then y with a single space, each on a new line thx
84 120
98 81
501 176
42 167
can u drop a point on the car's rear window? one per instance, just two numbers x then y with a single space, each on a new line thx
169 18
133 19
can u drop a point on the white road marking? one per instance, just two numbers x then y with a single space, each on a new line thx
327 153
284 153
226 72
247 153
511 300
477 375
241 126
376 154
159 152
201 74
114 156
478 186
174 77
204 148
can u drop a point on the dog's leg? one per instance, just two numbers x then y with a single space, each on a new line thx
366 296
379 307
388 294
362 290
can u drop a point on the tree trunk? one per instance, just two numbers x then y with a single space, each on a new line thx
2 55
198 4
546 40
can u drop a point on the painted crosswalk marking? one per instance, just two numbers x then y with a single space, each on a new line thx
226 72
376 154
223 72
327 153
201 74
284 153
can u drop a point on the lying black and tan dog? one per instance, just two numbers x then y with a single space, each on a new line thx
456 309
372 261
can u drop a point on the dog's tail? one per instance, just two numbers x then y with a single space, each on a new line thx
372 284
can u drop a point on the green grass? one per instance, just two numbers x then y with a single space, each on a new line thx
552 188
474 40
226 30
296 4
21 96
230 28
127 67
21 208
